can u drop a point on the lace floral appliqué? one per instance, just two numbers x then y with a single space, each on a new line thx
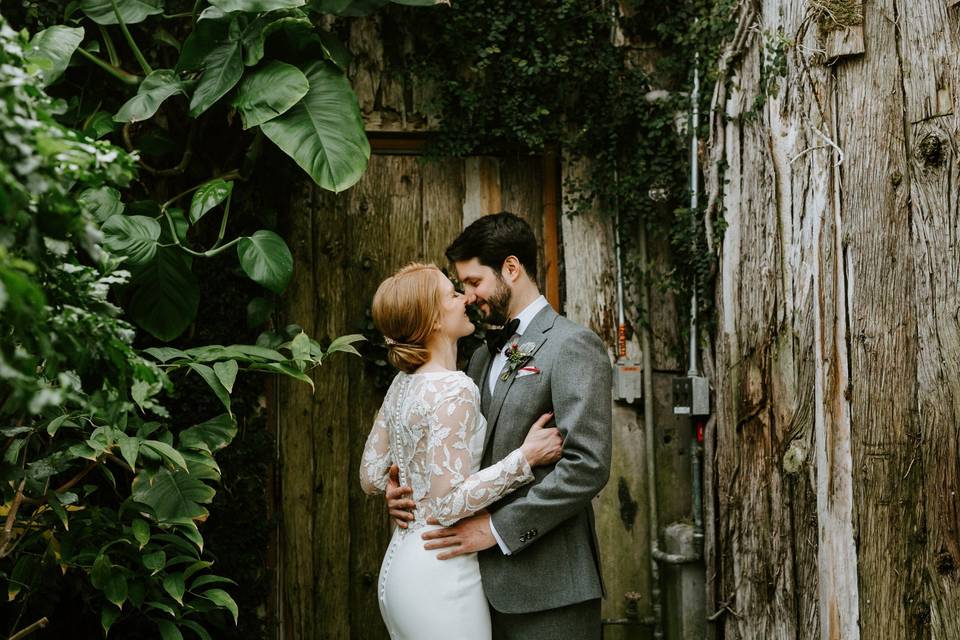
430 426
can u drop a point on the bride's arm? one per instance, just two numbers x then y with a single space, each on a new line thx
376 461
455 493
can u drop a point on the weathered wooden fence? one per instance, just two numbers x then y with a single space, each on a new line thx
406 208
838 350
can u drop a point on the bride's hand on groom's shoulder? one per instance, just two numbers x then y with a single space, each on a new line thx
398 504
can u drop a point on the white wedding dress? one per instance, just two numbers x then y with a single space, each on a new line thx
431 427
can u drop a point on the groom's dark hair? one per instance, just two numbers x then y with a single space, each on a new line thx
492 239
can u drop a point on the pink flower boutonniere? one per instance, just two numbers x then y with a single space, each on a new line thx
517 355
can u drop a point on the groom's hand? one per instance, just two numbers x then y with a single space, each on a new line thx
400 508
466 536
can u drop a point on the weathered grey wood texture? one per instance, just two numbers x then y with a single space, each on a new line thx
838 346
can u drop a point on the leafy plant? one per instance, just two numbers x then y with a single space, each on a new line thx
264 59
99 489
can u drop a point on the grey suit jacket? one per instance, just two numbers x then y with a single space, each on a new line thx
548 525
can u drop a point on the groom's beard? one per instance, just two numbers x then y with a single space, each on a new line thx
499 304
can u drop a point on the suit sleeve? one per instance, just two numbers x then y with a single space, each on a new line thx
581 395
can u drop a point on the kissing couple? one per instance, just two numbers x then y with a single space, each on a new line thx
489 474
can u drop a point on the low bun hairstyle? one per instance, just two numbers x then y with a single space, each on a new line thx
405 309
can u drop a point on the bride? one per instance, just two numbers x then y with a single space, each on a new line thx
430 425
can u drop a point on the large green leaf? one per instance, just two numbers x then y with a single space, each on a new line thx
174 585
256 6
269 92
196 628
132 11
222 598
155 88
168 630
210 377
222 69
175 496
212 435
324 132
166 452
255 34
226 373
141 531
129 449
101 203
345 344
202 465
208 196
116 589
265 257
51 50
134 237
204 38
348 7
108 615
167 295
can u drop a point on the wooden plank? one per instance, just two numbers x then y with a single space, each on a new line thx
481 188
752 577
314 473
442 192
521 189
383 234
842 43
551 226
877 259
667 343
622 506
929 46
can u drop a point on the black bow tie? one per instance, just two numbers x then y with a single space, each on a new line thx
497 339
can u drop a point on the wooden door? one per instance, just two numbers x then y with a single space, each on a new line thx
405 208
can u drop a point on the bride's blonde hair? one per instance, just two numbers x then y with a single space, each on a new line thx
405 309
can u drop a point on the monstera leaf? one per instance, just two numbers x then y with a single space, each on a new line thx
323 132
208 196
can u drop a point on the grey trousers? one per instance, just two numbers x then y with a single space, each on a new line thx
580 621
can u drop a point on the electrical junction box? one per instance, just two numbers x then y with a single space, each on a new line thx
691 396
628 380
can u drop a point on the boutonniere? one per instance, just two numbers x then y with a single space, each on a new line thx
517 355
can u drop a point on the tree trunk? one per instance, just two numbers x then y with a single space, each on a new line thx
837 341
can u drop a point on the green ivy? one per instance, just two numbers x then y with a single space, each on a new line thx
515 77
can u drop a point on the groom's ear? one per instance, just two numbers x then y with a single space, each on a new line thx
512 269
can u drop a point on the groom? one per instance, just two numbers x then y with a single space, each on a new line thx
538 553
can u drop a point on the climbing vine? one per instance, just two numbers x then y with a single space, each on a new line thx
608 82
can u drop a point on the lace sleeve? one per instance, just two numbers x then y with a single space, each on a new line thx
376 461
455 493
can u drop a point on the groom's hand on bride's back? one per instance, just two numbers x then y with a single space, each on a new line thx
399 504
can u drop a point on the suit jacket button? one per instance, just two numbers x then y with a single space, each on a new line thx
533 532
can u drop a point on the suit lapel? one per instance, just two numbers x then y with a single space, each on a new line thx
536 333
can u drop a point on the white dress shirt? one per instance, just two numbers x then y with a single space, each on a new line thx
499 360
496 368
